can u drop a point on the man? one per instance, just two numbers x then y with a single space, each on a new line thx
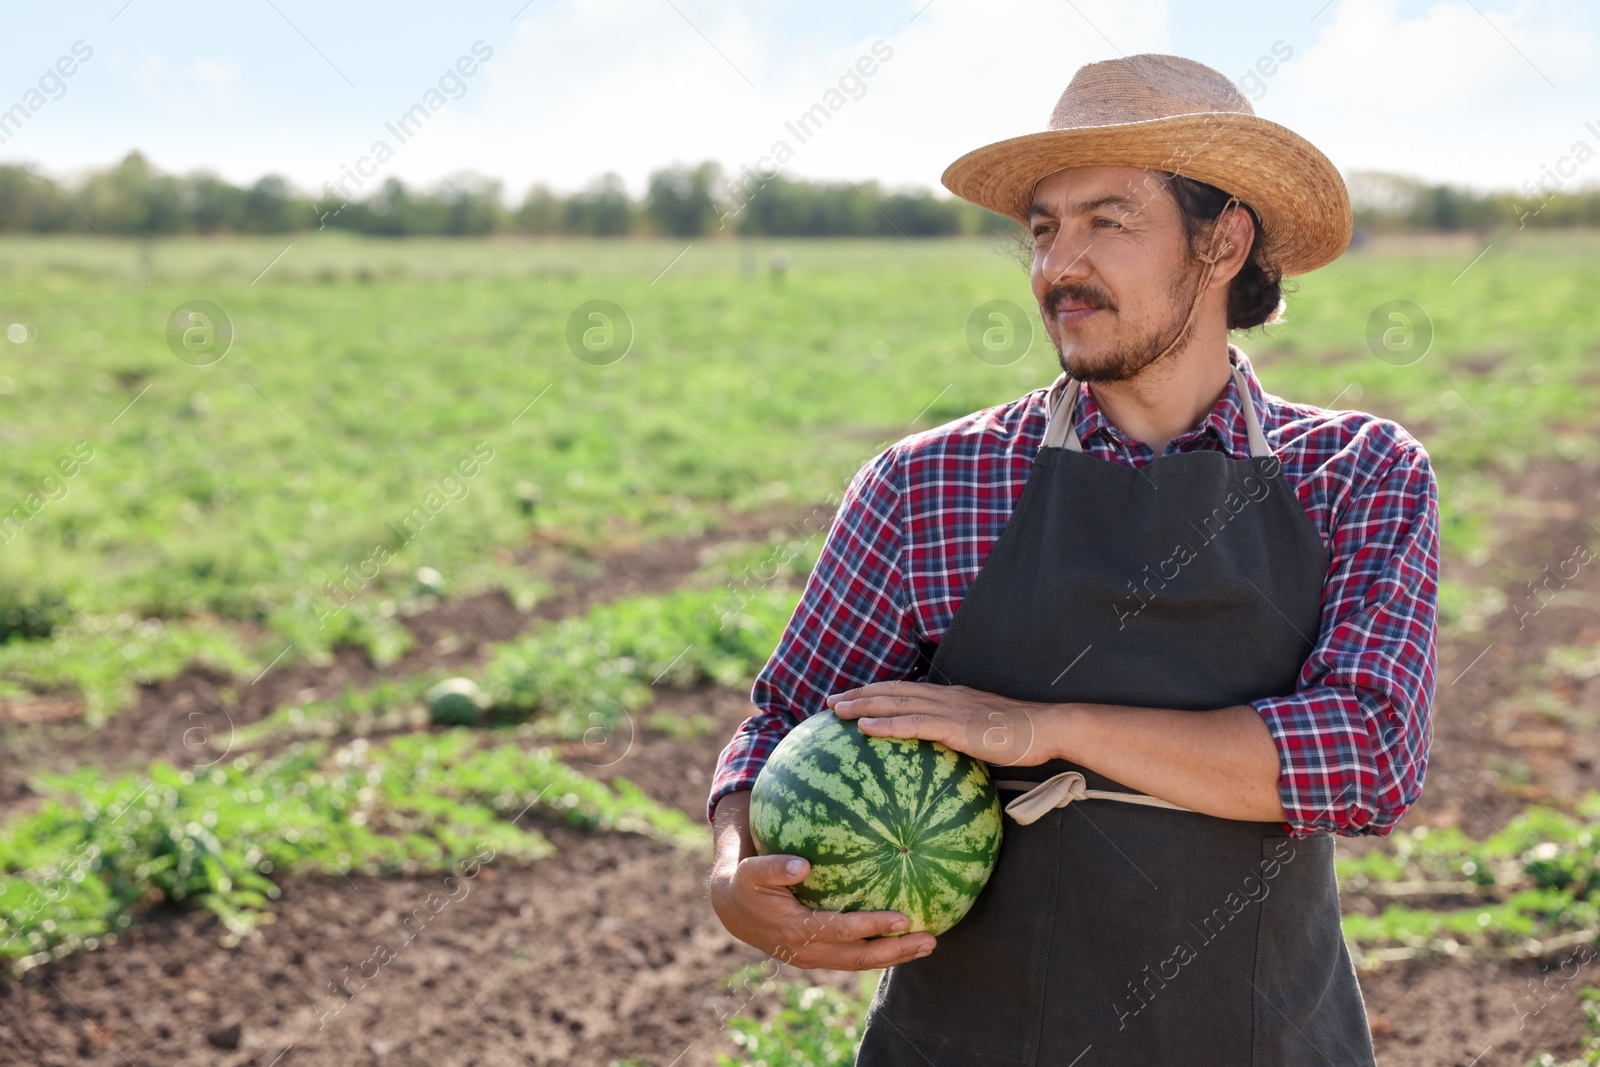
1190 625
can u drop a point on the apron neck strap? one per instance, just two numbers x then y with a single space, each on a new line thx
1062 402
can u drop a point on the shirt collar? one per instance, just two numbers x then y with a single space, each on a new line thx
1224 423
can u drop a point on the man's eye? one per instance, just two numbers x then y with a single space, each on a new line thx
1040 231
1113 222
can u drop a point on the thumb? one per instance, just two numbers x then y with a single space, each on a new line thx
775 870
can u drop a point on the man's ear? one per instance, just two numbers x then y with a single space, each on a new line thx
1233 234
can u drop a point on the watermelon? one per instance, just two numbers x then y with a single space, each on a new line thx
894 824
456 702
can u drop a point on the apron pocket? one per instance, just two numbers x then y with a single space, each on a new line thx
1308 1007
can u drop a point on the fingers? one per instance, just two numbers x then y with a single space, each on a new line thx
780 924
897 704
846 925
915 724
776 870
899 689
794 923
857 940
882 952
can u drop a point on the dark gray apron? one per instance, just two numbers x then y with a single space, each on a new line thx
1117 933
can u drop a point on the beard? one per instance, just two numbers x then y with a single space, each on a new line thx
1126 357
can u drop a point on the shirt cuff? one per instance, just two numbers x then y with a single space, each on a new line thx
1344 766
738 765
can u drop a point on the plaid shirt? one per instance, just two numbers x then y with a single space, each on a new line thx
919 519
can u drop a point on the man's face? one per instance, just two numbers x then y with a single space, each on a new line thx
1112 270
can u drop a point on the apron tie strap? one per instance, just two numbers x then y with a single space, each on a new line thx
1062 789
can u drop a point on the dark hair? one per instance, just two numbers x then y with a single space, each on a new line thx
1256 292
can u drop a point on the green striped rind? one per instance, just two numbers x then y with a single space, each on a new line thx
894 824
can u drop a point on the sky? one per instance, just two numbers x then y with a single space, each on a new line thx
1487 94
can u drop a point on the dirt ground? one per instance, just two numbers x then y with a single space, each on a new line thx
609 950
454 634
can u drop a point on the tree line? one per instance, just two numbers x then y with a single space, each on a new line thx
133 197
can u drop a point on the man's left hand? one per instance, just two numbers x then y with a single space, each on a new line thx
993 728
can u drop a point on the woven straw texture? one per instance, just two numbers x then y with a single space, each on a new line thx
1172 114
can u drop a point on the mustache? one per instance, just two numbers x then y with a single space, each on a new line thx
1077 294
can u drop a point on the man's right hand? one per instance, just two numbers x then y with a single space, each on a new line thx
750 894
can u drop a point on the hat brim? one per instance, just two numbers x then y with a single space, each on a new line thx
1296 191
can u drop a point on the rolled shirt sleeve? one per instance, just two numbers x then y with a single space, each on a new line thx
852 626
1353 738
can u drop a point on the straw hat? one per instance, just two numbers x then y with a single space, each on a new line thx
1175 115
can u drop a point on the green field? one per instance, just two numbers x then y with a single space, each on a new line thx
159 511
222 499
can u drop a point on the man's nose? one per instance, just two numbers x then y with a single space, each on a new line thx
1067 259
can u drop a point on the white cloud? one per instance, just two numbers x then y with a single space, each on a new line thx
1425 87
629 87
203 85
1449 60
968 74
1454 94
585 88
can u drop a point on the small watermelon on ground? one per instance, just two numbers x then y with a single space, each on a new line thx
894 824
430 581
456 702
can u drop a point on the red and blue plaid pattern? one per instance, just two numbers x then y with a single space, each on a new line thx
918 521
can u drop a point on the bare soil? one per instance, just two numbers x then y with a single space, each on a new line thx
609 951
48 735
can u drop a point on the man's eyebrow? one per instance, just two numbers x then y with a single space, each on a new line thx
1083 207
